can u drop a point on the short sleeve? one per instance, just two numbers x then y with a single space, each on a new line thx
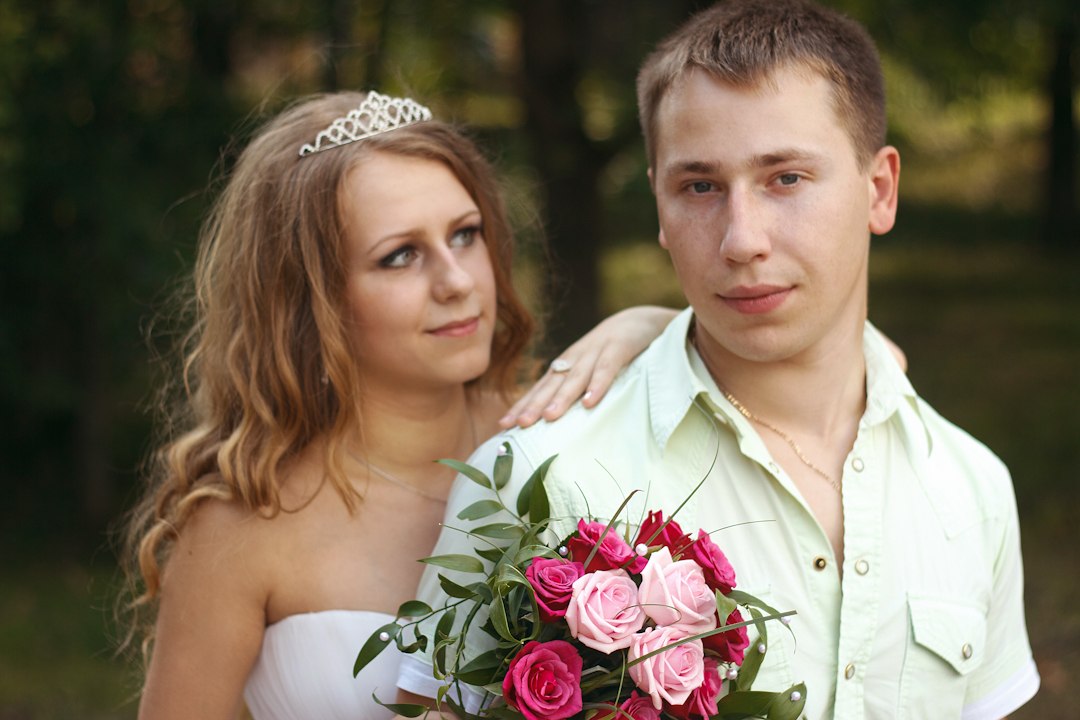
1007 677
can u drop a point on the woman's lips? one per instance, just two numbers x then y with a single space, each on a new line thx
461 328
757 299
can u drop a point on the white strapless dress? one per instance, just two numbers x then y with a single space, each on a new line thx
305 669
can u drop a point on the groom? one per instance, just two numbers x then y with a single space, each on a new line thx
891 532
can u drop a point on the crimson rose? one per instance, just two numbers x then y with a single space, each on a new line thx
613 554
672 536
731 645
543 681
552 580
718 571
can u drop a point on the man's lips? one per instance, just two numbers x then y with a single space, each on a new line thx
755 299
458 328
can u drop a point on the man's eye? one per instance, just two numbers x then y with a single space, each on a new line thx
701 187
789 179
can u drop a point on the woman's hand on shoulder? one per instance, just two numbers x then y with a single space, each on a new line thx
587 368
211 617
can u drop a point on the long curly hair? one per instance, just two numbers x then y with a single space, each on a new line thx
267 365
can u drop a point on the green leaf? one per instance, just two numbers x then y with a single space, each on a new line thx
498 619
724 605
500 531
480 509
749 600
503 465
494 554
414 609
784 708
752 659
374 646
461 563
454 590
469 471
480 669
402 709
533 551
532 499
743 704
442 635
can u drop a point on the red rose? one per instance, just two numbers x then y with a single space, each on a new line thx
672 536
702 702
731 645
718 571
551 579
613 552
638 707
543 681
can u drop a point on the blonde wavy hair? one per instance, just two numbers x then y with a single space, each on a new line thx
267 364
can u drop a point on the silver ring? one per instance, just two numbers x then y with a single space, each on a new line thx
558 365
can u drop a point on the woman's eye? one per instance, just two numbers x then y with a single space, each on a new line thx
463 237
399 258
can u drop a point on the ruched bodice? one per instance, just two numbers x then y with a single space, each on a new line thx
305 669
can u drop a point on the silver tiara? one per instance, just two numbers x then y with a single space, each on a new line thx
377 114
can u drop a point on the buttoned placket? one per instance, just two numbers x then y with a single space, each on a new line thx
861 586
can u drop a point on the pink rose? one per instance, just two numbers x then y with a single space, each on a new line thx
635 707
669 676
672 536
613 552
551 579
730 645
702 702
675 593
718 571
604 612
543 681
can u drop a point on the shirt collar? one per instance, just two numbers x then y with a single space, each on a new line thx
673 387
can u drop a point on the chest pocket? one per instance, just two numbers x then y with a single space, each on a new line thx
945 645
775 673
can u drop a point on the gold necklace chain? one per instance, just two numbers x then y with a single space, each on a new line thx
745 412
401 483
372 467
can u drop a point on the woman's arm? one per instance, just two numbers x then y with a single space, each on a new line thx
593 361
210 622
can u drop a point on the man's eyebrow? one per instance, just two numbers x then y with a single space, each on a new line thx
762 160
784 155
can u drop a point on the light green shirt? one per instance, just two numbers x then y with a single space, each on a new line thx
928 618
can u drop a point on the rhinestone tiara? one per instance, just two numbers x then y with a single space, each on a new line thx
377 114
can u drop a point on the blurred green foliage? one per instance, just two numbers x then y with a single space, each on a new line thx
119 118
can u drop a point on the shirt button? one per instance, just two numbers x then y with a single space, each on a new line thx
820 563
862 567
966 651
858 465
849 671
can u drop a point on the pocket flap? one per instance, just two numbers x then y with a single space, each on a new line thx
955 632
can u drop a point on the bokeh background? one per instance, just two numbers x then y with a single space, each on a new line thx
118 119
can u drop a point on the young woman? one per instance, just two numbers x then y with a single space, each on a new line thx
354 322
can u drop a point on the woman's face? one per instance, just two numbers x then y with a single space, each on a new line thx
420 286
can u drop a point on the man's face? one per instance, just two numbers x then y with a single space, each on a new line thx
767 214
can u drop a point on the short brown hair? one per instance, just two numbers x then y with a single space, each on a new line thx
743 42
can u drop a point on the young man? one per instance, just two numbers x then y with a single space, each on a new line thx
891 532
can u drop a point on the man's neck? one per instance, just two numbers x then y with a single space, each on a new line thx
819 393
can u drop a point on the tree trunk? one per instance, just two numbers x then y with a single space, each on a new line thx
554 38
1061 229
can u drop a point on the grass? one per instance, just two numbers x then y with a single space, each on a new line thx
991 326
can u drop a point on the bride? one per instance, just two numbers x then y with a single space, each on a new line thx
354 320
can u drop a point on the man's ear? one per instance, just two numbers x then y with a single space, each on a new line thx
884 185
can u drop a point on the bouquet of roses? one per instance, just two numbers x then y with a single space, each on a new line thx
609 623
